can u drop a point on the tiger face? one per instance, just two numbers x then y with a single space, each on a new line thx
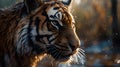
65 41
49 29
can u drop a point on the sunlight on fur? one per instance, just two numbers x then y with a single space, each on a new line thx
78 58
38 58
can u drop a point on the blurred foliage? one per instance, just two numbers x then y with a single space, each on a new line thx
93 20
6 3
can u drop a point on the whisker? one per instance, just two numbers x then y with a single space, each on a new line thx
81 57
60 54
81 50
56 55
78 56
77 59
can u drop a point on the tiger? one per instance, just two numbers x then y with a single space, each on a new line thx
34 29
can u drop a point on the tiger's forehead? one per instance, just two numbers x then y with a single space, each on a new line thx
54 11
55 6
57 10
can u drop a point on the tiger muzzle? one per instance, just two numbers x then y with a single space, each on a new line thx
65 46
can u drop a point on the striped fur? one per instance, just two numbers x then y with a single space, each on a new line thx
25 38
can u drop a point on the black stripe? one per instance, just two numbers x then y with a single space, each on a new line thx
22 36
35 47
39 38
48 24
37 22
29 34
56 23
56 8
51 16
62 46
54 16
44 13
29 26
22 30
52 39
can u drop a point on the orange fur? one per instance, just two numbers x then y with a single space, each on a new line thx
14 22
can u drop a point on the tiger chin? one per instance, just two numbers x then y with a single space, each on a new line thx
34 30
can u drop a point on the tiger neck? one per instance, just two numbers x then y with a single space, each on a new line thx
26 41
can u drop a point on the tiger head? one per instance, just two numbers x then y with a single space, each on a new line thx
50 29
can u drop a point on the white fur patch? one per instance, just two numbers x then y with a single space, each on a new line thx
64 0
57 15
52 12
33 31
22 42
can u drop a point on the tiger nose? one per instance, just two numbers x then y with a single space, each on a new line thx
74 45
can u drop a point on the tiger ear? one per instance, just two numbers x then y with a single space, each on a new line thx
66 2
32 4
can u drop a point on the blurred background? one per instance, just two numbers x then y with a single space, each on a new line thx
98 27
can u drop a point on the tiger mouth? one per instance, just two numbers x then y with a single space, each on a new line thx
57 54
63 58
